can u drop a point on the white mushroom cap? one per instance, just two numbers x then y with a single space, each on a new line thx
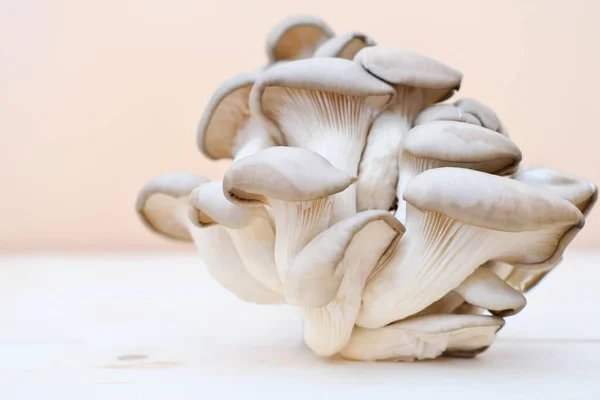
329 275
423 337
465 110
463 218
316 274
296 37
405 68
344 46
453 144
162 204
226 125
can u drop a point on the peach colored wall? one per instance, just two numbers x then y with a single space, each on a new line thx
97 96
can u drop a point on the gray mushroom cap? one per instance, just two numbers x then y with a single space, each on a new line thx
296 37
400 67
344 46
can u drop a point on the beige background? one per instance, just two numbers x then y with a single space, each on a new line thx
96 97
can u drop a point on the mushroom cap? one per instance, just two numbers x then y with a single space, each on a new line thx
580 192
489 201
314 278
214 208
401 67
159 203
296 37
461 143
483 113
334 75
344 46
282 173
227 111
445 112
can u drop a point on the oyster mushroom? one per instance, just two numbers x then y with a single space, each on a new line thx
163 204
453 144
344 46
250 230
466 110
296 37
325 105
424 337
457 219
419 81
580 192
328 276
297 185
226 129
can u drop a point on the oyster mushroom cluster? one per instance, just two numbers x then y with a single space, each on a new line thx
398 223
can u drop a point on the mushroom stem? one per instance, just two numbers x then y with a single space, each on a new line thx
252 138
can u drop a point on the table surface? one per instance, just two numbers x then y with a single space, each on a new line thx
157 327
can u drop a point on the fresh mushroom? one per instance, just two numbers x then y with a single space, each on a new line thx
328 276
453 144
226 129
163 204
424 337
466 110
250 230
344 46
419 82
298 187
580 192
458 219
325 105
296 37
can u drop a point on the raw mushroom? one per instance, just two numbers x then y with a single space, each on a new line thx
325 105
163 203
344 46
457 219
453 144
467 110
226 129
424 337
419 82
296 37
250 230
284 179
580 192
328 276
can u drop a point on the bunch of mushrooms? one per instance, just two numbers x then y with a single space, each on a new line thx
399 224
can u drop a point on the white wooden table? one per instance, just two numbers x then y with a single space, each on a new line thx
157 327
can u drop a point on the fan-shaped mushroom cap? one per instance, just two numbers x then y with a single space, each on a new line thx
163 206
401 67
296 37
463 218
423 337
315 276
344 46
282 173
469 111
583 194
485 289
226 125
449 143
